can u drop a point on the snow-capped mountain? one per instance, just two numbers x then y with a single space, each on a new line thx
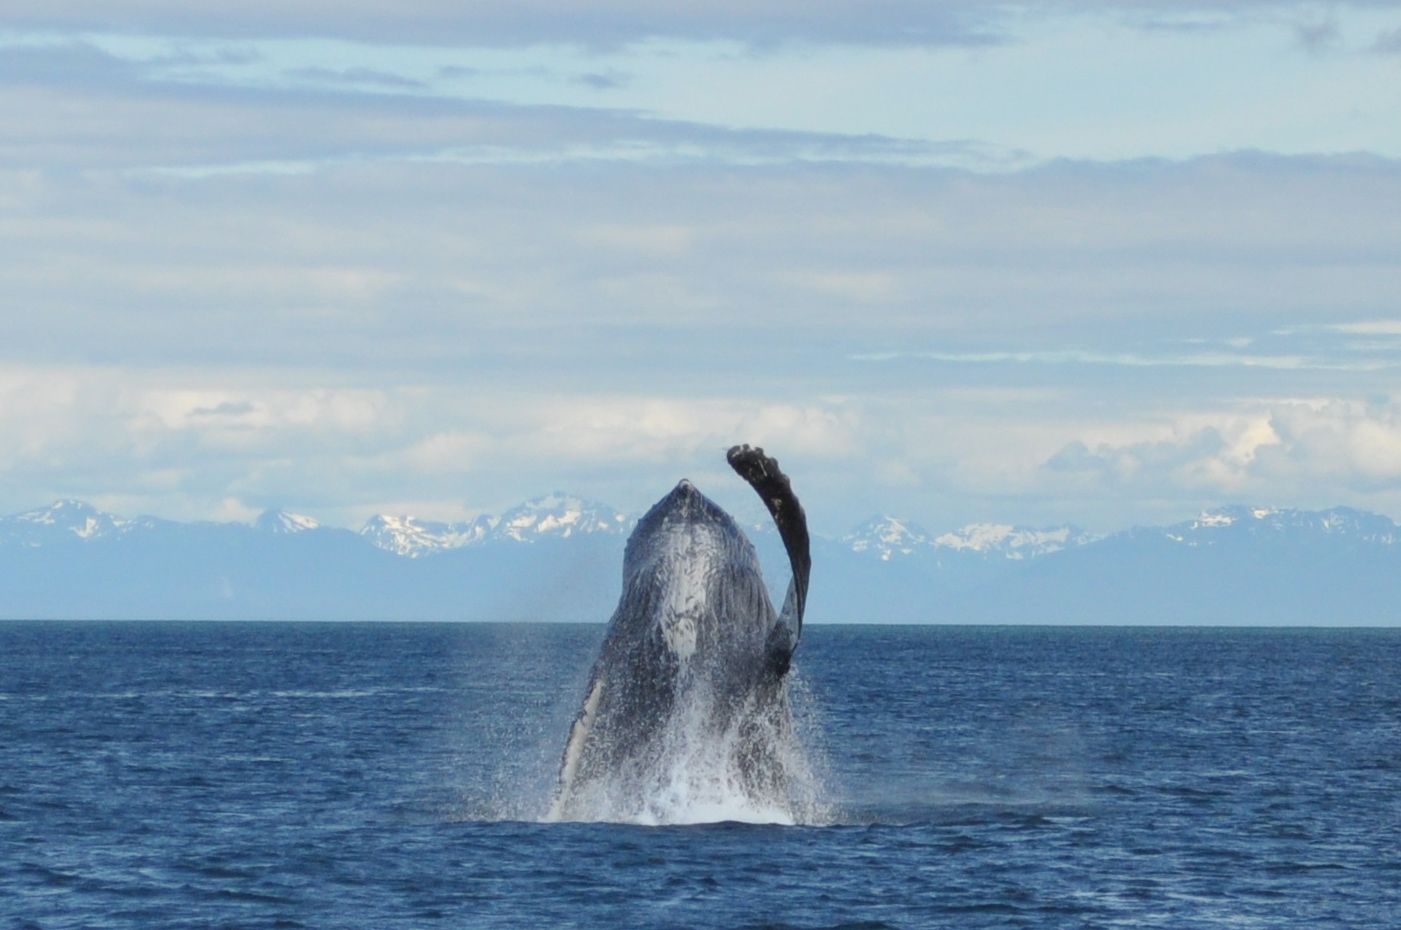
282 522
413 537
563 516
69 520
62 521
1231 565
892 538
559 515
1014 542
554 516
1215 526
886 537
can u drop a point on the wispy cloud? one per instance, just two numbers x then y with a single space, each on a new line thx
443 263
227 408
81 106
1080 80
599 23
354 77
190 443
604 23
604 80
1318 35
1388 43
1368 328
1132 360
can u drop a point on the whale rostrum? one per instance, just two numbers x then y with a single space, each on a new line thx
687 706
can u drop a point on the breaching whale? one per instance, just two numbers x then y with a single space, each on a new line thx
687 707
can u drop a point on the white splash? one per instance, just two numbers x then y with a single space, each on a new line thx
704 776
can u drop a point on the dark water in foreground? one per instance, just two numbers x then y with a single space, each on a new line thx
386 776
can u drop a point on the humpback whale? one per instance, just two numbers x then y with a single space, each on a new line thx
687 705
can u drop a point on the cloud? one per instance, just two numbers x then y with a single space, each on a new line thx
1072 84
227 408
76 106
604 80
213 443
614 22
1319 35
676 271
1355 445
1318 451
357 77
1388 43
1054 356
595 23
71 64
1189 460
189 443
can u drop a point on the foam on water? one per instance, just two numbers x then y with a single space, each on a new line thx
754 770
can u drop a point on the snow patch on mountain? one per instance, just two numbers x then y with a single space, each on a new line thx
887 537
553 516
64 519
1228 522
412 537
892 538
283 523
561 516
1014 542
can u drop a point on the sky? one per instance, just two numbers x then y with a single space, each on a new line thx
1107 262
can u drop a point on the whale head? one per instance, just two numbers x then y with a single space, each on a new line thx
692 577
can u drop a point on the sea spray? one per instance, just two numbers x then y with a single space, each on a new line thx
711 763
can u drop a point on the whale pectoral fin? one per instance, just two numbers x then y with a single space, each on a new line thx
782 640
574 750
779 647
776 491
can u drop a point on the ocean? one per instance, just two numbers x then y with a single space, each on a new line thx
284 775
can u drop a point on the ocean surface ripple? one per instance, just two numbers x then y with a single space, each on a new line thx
268 775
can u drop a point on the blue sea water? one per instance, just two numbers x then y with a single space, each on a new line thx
158 775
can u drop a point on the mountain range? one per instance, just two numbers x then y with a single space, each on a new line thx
558 558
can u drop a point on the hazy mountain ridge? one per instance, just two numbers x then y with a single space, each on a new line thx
412 537
62 521
552 516
887 538
280 521
559 557
1215 526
